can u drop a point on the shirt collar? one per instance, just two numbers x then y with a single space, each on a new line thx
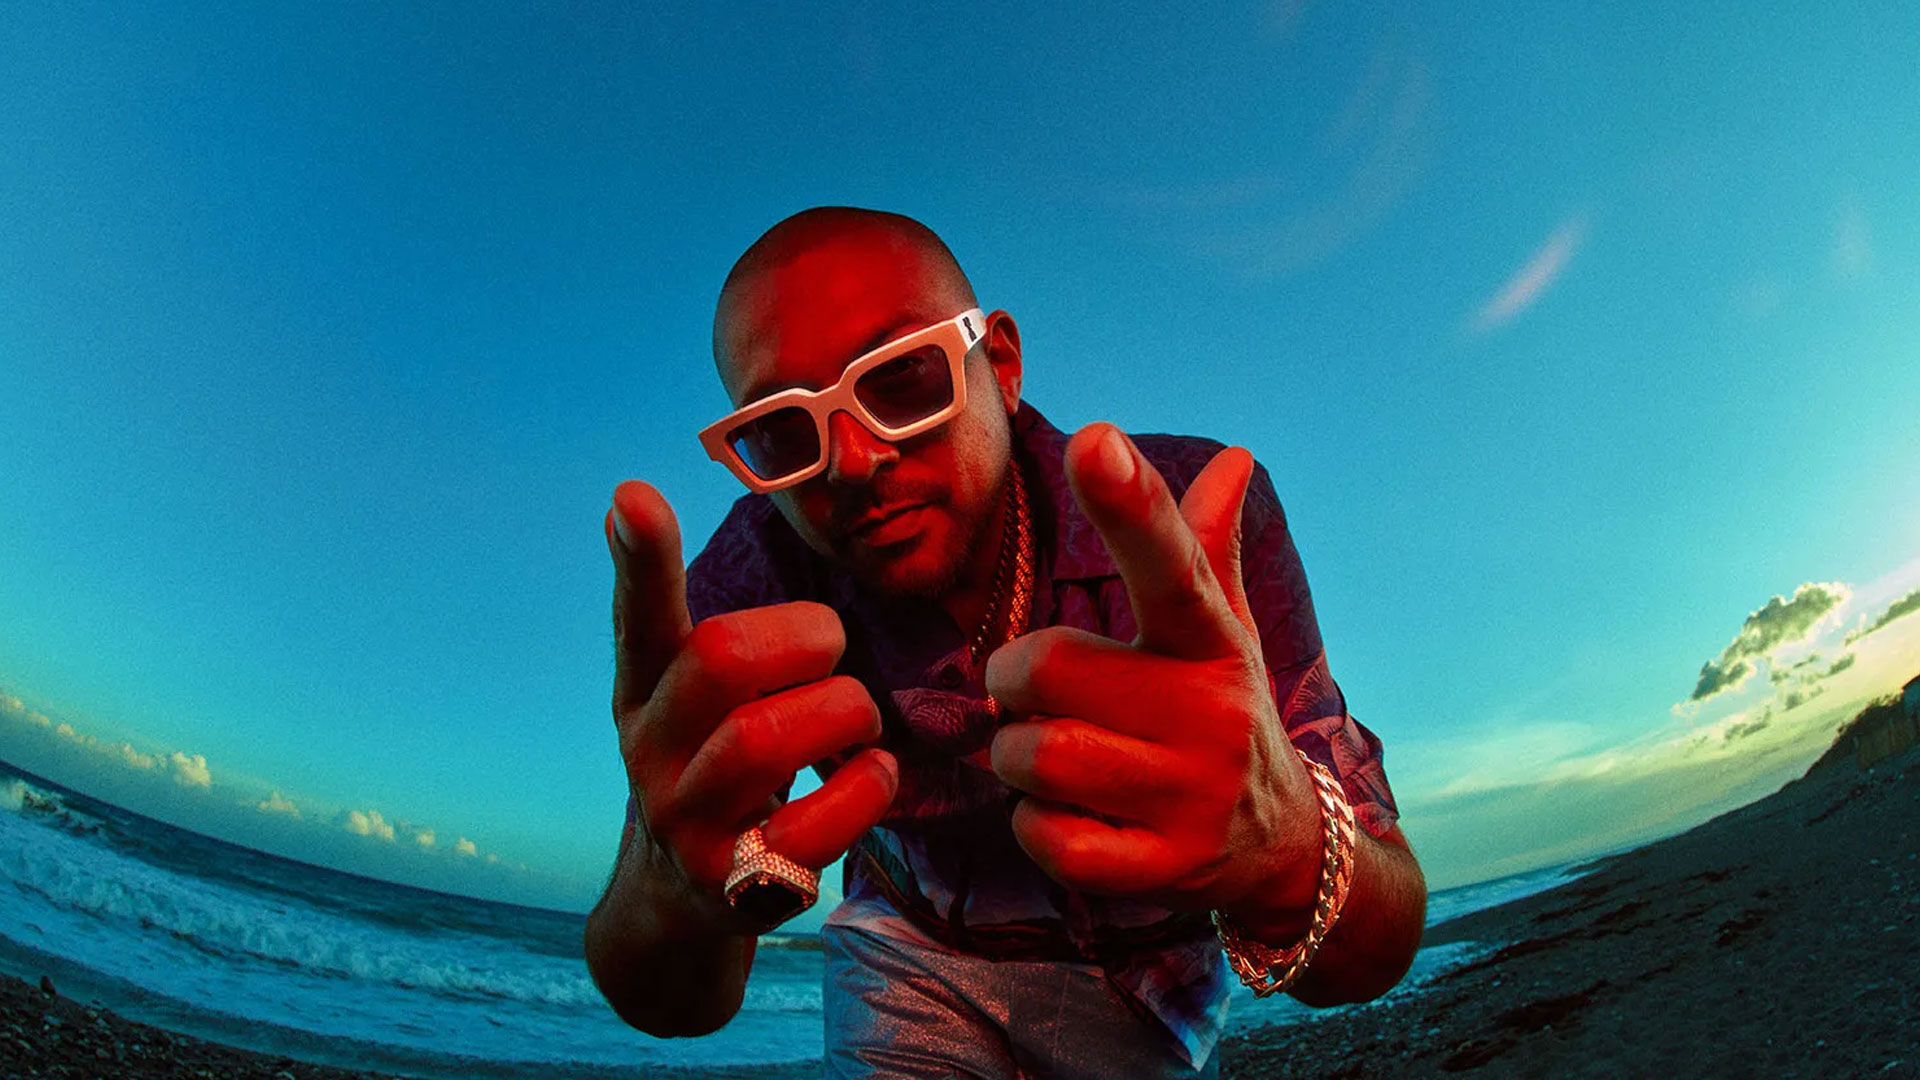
1074 546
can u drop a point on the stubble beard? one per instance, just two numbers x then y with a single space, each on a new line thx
945 577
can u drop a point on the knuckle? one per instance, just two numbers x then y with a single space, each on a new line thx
856 693
1193 585
820 625
845 699
748 736
633 744
662 816
1048 759
619 619
842 692
1041 655
780 633
638 749
714 642
1078 858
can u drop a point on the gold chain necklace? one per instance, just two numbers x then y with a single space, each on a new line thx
1012 595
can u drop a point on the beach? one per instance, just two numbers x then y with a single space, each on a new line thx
1776 940
45 1034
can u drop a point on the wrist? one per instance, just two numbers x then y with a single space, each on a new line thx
1274 921
1271 949
1280 906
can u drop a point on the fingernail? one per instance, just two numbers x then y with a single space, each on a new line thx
1116 459
621 530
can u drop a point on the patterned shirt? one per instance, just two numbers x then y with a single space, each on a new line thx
944 857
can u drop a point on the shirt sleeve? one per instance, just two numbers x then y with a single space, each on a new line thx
1311 706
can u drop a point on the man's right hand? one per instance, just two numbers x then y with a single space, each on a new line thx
716 719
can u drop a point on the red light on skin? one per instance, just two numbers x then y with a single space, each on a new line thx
899 526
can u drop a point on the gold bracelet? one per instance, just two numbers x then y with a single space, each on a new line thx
1267 970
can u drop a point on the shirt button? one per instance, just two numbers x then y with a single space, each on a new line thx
949 677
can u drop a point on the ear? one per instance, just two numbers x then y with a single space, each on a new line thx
1003 354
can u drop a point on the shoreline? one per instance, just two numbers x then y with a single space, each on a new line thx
1776 939
45 1034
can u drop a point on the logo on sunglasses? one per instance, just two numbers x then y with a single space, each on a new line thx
966 323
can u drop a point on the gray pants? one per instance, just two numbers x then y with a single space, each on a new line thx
895 1008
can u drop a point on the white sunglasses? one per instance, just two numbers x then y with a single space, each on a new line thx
910 385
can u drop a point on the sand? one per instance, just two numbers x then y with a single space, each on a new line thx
1779 940
44 1034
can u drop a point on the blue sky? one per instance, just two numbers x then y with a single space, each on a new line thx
1570 337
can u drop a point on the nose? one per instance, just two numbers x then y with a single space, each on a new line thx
854 454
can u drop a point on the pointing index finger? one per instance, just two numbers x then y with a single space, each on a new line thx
650 619
1178 602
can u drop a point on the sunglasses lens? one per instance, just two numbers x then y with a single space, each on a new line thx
907 388
778 443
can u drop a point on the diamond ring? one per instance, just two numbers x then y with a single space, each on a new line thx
767 886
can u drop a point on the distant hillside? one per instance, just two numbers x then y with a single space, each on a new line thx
1883 724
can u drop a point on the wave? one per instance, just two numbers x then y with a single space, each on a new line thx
196 935
107 897
49 808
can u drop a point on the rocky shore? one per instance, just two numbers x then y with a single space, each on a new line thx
1778 940
44 1034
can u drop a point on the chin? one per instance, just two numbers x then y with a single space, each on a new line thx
923 568
918 573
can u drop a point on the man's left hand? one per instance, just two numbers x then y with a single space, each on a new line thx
1159 769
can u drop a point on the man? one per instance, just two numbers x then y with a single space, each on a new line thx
1060 728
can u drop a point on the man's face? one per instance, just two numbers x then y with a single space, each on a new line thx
903 517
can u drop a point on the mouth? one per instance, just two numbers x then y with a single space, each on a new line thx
881 525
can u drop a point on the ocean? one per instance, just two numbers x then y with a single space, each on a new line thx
200 936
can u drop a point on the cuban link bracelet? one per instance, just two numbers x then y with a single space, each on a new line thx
1267 970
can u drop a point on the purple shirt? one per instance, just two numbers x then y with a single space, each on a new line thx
945 856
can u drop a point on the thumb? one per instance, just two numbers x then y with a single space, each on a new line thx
1211 508
650 619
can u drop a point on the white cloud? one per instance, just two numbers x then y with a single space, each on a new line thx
1532 280
135 758
190 770
1808 690
368 823
13 706
1899 609
187 770
1782 621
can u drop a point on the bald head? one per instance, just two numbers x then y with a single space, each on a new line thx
869 264
816 292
